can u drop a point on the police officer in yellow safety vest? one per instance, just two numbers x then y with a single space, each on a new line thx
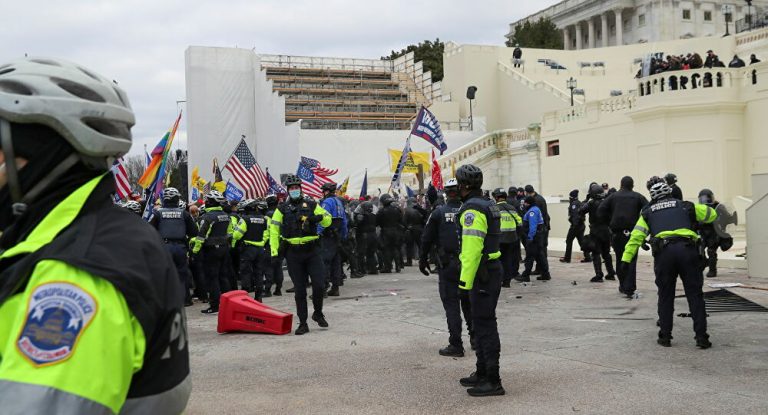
91 315
481 271
213 241
252 233
295 223
675 247
509 243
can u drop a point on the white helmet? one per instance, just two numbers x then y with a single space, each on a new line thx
182 205
215 196
452 182
91 112
133 206
658 188
170 193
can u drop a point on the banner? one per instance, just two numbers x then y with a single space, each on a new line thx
411 163
232 192
395 184
342 189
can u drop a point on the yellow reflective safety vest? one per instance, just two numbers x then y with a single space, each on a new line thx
295 222
480 222
91 314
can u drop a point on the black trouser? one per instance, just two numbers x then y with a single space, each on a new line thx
510 260
712 243
628 281
214 262
253 262
412 244
390 245
601 239
366 250
455 301
483 299
196 267
680 258
331 258
229 271
575 232
305 265
273 271
534 251
178 251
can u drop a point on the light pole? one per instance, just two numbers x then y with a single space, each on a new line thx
749 13
727 12
470 96
571 84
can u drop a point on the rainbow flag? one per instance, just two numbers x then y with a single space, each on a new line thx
155 172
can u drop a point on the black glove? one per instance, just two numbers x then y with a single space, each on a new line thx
314 219
424 266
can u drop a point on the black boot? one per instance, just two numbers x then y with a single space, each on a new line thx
267 293
291 290
610 276
278 292
597 278
522 278
546 277
702 341
320 319
472 380
210 310
712 272
472 341
565 260
586 259
666 339
490 386
302 329
452 351
505 284
334 291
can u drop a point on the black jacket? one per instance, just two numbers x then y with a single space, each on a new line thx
622 209
677 193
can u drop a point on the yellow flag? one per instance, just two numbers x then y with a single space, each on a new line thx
343 189
412 163
196 178
221 187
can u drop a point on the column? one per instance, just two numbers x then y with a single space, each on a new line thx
567 38
591 33
604 28
619 28
579 36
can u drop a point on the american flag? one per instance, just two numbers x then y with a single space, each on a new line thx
313 176
247 172
122 185
206 188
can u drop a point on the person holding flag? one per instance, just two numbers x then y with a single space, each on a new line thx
295 222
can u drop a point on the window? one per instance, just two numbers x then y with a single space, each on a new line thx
686 14
641 20
707 16
553 148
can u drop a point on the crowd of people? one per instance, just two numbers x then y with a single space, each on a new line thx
694 61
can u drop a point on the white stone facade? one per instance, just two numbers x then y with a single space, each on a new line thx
588 24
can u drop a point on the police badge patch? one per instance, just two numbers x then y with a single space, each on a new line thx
57 315
469 219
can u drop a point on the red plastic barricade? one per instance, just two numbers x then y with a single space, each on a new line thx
239 312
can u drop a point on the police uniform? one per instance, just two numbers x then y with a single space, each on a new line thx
89 325
213 242
575 231
177 227
274 271
252 232
295 222
670 222
365 232
481 277
390 220
414 222
509 243
442 231
331 238
535 250
600 239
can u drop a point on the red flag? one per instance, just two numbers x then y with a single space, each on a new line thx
437 176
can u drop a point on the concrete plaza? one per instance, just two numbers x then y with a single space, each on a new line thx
568 346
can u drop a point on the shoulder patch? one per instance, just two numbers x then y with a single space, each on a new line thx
532 213
57 314
469 219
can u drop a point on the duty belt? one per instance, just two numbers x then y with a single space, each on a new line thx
175 241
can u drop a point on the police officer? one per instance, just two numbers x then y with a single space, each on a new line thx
442 232
534 227
413 216
390 220
213 243
671 180
295 223
713 236
508 241
176 227
274 269
599 234
252 235
133 206
87 323
670 224
622 208
365 229
332 236
481 277
541 203
576 230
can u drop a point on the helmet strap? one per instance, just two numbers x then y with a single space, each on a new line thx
11 169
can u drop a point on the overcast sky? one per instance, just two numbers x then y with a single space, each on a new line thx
141 43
